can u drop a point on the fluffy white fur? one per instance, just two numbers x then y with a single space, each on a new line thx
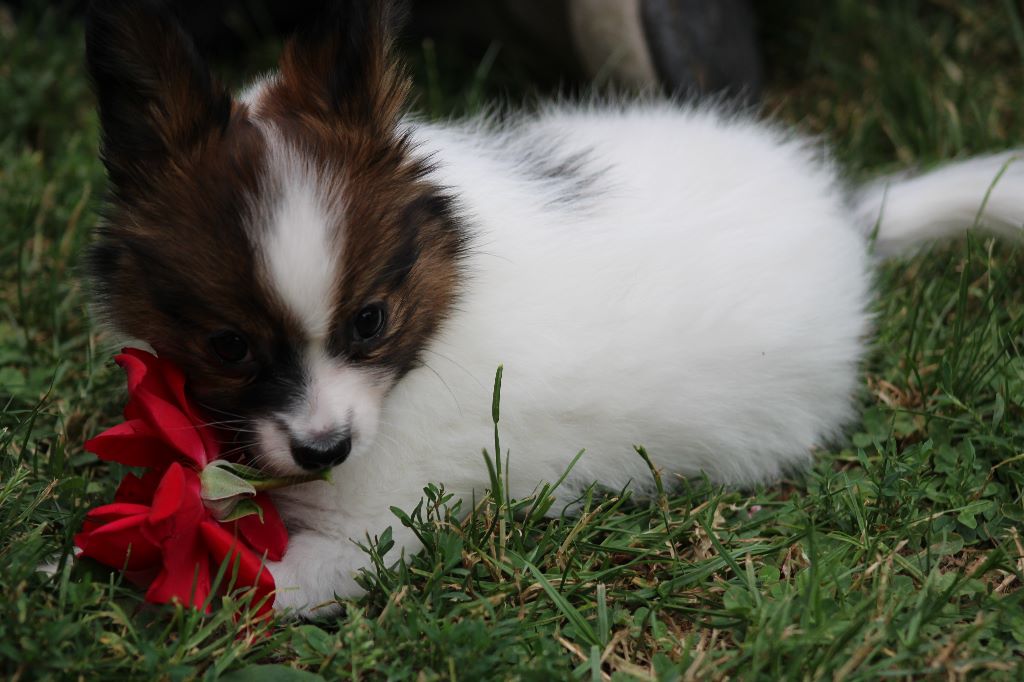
699 285
944 202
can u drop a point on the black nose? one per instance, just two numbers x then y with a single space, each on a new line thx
316 457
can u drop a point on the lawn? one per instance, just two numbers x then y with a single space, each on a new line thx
899 555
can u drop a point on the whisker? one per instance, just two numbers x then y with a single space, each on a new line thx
224 422
237 449
456 363
211 408
445 383
216 424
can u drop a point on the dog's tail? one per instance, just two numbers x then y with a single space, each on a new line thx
903 212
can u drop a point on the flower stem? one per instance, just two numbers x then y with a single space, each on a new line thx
286 481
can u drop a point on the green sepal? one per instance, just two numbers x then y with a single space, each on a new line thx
244 507
222 480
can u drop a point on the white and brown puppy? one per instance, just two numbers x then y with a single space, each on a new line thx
340 280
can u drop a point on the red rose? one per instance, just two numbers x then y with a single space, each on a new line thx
174 526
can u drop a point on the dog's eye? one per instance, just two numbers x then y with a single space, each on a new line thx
369 322
230 347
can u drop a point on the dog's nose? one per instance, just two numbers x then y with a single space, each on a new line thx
321 456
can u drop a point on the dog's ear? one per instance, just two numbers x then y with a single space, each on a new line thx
156 96
341 68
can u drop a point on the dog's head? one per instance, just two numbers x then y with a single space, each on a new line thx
286 248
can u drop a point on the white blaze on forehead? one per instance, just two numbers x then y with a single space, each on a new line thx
252 94
301 243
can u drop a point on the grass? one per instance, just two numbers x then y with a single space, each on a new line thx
899 555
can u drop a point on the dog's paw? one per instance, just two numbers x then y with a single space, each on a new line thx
293 604
311 576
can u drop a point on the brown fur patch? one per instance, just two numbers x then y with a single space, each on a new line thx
156 98
176 262
341 70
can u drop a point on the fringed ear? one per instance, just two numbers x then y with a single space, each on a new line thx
156 96
340 66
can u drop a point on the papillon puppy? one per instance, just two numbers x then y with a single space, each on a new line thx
340 279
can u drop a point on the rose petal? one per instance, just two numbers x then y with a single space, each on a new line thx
156 390
111 512
174 524
172 425
177 506
139 489
267 536
185 576
170 494
246 568
139 368
132 443
116 510
120 544
207 434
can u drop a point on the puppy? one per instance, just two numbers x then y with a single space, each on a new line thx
339 280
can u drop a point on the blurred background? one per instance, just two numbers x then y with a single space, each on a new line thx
681 45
